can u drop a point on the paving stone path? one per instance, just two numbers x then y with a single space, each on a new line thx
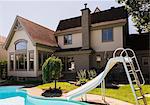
93 99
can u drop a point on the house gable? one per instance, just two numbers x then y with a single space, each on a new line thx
17 32
36 33
18 36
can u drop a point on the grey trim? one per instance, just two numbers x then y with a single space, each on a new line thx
11 53
46 46
125 33
69 53
28 60
20 40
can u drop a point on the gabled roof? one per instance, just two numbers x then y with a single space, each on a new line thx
37 33
97 10
102 16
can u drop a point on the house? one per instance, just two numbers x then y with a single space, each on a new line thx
3 53
87 41
141 45
28 45
83 42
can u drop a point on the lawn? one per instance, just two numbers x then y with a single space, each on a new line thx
123 93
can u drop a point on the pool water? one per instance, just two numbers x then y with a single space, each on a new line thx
12 95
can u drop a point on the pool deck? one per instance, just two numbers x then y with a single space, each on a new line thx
94 99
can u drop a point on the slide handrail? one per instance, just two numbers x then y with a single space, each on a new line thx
124 58
126 52
94 82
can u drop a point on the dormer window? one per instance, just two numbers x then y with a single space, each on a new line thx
68 39
21 45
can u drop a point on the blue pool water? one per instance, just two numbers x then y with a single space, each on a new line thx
12 95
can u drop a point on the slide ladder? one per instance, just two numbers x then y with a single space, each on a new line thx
128 59
134 74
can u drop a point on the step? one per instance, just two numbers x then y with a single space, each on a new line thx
139 98
133 57
137 70
134 81
128 64
130 71
136 89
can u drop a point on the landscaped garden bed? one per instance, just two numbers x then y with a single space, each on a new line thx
124 93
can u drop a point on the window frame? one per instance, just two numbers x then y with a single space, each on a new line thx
42 56
20 41
11 68
148 61
31 52
20 52
70 64
66 38
107 39
24 62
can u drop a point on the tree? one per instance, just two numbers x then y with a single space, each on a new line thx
139 10
51 69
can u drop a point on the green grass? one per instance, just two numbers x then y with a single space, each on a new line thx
64 86
123 93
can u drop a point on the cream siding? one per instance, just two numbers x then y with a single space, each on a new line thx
98 45
76 41
22 35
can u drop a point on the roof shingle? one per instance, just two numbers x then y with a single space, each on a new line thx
38 33
102 16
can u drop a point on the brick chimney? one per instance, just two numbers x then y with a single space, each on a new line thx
85 23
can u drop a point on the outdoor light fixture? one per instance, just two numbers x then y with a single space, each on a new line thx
98 58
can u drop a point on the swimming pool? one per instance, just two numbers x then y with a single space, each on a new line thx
12 95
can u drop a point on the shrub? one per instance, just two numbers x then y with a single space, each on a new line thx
85 75
3 69
51 69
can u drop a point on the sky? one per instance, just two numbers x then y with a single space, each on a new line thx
48 12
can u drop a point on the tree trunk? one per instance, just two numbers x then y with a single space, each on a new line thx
55 83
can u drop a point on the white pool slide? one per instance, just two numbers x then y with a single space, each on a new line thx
94 82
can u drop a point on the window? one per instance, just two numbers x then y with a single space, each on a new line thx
21 54
31 60
70 64
11 61
67 39
107 34
21 45
63 62
21 61
145 61
42 56
40 60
